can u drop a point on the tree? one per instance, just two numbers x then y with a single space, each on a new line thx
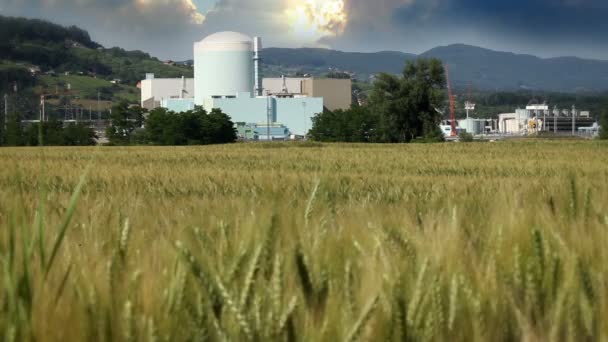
14 131
194 127
159 127
604 125
53 133
48 133
220 128
79 135
406 106
356 124
124 120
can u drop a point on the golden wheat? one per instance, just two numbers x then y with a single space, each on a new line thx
307 242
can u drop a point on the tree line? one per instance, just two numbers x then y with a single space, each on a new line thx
14 132
129 125
400 109
132 125
603 134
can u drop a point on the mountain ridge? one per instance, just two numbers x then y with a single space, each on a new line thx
485 68
70 49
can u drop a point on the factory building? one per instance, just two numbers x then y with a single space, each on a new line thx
227 76
539 117
155 90
336 93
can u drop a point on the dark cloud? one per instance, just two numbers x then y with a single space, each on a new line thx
541 26
167 28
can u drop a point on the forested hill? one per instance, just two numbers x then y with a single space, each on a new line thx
31 44
485 69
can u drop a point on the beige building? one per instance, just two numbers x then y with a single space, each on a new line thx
155 90
336 93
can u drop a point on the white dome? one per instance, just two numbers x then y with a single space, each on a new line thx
225 41
227 37
223 67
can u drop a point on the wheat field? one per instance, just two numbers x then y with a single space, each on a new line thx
305 242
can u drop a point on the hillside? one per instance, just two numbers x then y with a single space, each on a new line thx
45 58
36 52
485 69
321 61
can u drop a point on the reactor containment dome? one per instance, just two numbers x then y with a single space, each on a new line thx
223 67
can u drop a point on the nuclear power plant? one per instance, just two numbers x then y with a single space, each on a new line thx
227 76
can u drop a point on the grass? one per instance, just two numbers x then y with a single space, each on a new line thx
496 241
86 87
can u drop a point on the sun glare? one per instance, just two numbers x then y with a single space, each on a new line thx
313 19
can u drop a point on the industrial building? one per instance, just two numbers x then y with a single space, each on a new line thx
227 76
155 90
539 117
336 93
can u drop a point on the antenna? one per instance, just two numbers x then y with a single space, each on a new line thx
284 90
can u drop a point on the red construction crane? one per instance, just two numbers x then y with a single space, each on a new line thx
452 103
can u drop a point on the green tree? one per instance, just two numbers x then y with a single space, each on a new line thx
353 125
48 133
406 106
14 131
604 125
79 135
124 120
194 127
160 127
219 128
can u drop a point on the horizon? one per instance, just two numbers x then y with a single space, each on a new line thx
167 28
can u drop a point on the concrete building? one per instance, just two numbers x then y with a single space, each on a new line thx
155 90
336 93
473 126
278 85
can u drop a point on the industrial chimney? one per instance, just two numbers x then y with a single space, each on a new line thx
257 59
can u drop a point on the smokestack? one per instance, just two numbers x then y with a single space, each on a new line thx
257 59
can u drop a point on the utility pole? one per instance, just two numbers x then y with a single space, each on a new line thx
268 114
305 121
555 113
544 120
573 119
98 109
42 112
5 110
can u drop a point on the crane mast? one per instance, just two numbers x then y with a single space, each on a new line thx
452 104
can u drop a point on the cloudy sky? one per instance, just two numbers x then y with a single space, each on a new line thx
167 28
